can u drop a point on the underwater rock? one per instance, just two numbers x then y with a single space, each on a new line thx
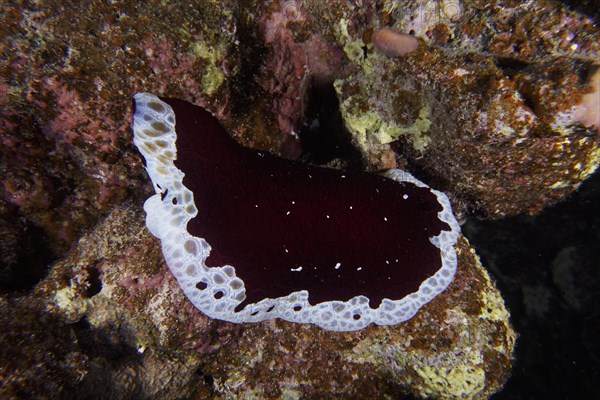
488 111
39 356
115 285
66 155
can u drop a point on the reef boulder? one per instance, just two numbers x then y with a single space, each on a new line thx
115 290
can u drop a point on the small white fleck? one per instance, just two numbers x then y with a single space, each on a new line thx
338 265
377 190
310 176
359 268
327 216
256 205
343 176
287 213
387 262
385 218
296 269
396 260
286 250
351 207
405 197
293 202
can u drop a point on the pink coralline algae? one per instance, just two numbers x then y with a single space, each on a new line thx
295 57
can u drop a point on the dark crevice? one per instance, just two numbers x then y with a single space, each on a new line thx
511 65
108 342
323 135
586 7
94 280
546 269
25 253
209 380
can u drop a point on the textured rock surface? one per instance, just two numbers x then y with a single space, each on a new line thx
115 288
486 107
67 80
39 356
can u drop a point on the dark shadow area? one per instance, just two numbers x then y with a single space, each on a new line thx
546 268
25 252
587 7
323 135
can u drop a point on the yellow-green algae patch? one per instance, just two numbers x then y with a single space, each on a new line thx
372 127
353 48
460 380
213 77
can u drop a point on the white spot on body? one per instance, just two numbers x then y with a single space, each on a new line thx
385 219
338 265
359 268
405 197
296 269
287 213
327 216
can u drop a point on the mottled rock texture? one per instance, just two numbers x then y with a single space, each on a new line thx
67 79
486 106
39 356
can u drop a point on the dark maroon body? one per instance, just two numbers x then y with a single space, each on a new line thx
285 226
